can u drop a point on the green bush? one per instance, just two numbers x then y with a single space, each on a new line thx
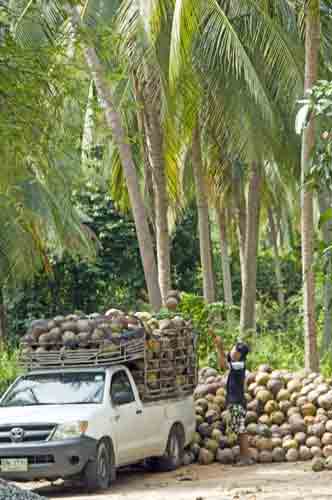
9 369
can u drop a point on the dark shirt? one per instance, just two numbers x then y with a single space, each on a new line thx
235 383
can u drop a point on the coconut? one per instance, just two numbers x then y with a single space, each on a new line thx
293 411
264 444
313 396
216 435
285 429
327 438
328 426
251 417
318 464
262 378
327 451
220 402
276 442
328 463
275 385
278 455
253 406
211 416
275 429
199 420
252 429
70 326
316 452
265 368
300 437
211 445
265 420
254 454
294 386
289 444
265 457
270 407
292 455
284 406
225 456
45 340
318 429
308 410
204 430
283 395
205 457
70 340
83 325
264 396
223 443
294 397
202 403
313 441
297 424
305 453
301 401
264 431
84 339
325 401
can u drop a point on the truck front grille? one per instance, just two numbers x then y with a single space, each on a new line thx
32 433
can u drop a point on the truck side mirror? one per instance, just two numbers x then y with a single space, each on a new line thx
122 398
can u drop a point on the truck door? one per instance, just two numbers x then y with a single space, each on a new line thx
127 419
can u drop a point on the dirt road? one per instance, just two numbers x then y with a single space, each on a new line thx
216 482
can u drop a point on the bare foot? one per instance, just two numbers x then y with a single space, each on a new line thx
245 462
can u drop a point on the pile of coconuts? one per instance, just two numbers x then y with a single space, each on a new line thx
82 332
289 418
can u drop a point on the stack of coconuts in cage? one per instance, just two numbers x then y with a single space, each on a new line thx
165 360
82 332
289 418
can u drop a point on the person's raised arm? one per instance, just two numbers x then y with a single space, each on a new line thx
223 365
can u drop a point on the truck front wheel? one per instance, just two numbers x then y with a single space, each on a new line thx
97 473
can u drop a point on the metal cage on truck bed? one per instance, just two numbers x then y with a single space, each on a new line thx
163 367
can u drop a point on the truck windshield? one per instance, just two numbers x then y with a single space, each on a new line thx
57 389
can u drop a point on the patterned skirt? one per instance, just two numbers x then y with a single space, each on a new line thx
236 421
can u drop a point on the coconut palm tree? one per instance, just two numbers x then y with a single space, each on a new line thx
312 49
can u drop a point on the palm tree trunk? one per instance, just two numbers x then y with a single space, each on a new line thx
203 219
113 119
312 45
155 143
277 265
325 202
240 212
225 260
87 138
248 298
148 188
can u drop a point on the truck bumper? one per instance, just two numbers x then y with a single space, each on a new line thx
50 460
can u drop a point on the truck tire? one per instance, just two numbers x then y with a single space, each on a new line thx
97 473
173 457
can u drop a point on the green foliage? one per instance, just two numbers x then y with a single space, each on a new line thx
114 279
185 256
9 369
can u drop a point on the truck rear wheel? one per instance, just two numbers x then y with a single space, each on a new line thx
173 457
97 473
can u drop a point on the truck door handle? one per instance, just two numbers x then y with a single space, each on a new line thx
139 412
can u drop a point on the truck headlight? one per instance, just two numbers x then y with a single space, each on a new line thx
70 430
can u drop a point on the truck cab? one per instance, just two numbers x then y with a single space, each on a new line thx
86 423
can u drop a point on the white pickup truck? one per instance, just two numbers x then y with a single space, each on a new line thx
86 423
